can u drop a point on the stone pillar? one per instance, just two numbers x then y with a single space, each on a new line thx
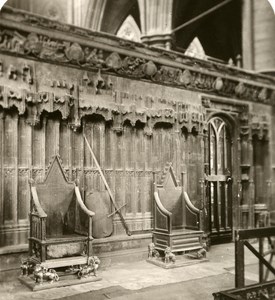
248 35
258 35
156 22
264 31
91 13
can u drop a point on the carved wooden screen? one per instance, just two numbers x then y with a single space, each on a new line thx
219 182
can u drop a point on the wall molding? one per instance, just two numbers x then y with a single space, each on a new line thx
34 37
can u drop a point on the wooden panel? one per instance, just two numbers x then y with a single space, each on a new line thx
24 157
62 194
2 195
119 188
96 139
119 151
126 158
108 147
51 138
65 144
88 160
10 169
129 147
24 143
128 191
38 144
148 193
148 153
134 193
139 185
157 143
23 194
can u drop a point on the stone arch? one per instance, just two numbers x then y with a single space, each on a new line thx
228 118
129 30
108 15
195 49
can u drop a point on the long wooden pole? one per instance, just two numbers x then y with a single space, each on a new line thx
117 210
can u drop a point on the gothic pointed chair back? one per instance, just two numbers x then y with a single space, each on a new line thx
57 198
57 213
175 217
170 195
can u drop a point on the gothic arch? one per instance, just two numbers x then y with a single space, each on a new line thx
108 15
129 30
195 49
228 119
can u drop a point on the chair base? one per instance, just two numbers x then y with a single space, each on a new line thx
64 281
181 261
179 241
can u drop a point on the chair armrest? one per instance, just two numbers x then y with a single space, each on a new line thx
81 203
36 203
160 206
190 204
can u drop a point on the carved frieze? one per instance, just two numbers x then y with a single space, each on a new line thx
23 172
96 91
96 94
37 174
9 172
39 46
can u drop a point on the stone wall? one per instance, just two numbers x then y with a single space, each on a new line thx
264 28
139 108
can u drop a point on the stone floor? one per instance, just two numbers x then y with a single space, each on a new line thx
142 280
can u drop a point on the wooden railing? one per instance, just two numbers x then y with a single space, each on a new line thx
242 239
254 292
261 290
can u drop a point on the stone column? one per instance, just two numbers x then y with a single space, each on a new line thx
156 22
258 35
248 34
91 13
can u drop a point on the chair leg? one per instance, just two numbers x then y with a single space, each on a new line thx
90 248
43 253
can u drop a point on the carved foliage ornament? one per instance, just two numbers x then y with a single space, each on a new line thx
46 48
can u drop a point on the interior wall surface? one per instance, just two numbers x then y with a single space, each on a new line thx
139 108
128 153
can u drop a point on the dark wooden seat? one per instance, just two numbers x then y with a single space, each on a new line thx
60 223
176 219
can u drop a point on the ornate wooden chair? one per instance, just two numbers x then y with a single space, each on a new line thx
60 223
176 219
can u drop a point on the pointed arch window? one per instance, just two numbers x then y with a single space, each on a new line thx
195 49
129 30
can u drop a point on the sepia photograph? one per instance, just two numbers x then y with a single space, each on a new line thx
137 149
